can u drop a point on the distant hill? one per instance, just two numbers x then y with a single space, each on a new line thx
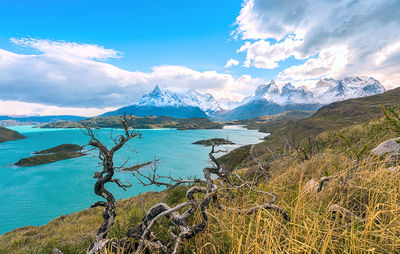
8 135
269 123
177 112
33 120
148 122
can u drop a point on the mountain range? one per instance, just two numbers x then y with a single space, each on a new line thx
34 120
268 99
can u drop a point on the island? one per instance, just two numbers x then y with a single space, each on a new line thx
58 153
214 141
146 122
9 135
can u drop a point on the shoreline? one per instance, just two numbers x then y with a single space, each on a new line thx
67 214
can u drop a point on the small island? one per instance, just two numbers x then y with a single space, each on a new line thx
58 153
9 135
214 141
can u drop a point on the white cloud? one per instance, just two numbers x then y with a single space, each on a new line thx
58 81
88 51
368 29
263 54
329 63
231 62
18 108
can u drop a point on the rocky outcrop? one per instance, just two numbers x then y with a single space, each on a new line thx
389 148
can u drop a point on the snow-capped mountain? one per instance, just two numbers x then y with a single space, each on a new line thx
331 90
160 97
205 102
287 95
269 99
161 101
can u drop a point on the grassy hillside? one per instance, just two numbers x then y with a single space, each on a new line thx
148 122
332 117
8 135
269 123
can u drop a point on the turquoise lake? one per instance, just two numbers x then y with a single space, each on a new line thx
36 195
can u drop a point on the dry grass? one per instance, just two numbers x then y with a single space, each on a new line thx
372 193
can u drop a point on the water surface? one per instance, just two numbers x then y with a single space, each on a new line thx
36 195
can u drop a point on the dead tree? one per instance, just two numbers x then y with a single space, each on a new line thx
179 215
212 187
106 156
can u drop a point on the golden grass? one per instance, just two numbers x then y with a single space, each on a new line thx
372 191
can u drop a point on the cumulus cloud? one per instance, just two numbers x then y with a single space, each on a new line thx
329 63
66 75
263 54
231 62
369 30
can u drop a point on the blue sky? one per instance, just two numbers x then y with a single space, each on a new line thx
132 45
191 33
196 34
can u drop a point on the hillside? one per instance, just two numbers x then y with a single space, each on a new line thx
148 122
339 199
176 112
333 117
8 135
269 123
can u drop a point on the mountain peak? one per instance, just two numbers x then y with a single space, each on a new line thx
270 88
156 88
163 97
328 90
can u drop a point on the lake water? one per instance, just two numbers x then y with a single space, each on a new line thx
36 195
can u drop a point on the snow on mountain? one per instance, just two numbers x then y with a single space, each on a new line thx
205 102
267 98
326 91
294 95
287 95
227 104
330 90
162 97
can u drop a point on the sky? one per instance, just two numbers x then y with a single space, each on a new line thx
87 57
